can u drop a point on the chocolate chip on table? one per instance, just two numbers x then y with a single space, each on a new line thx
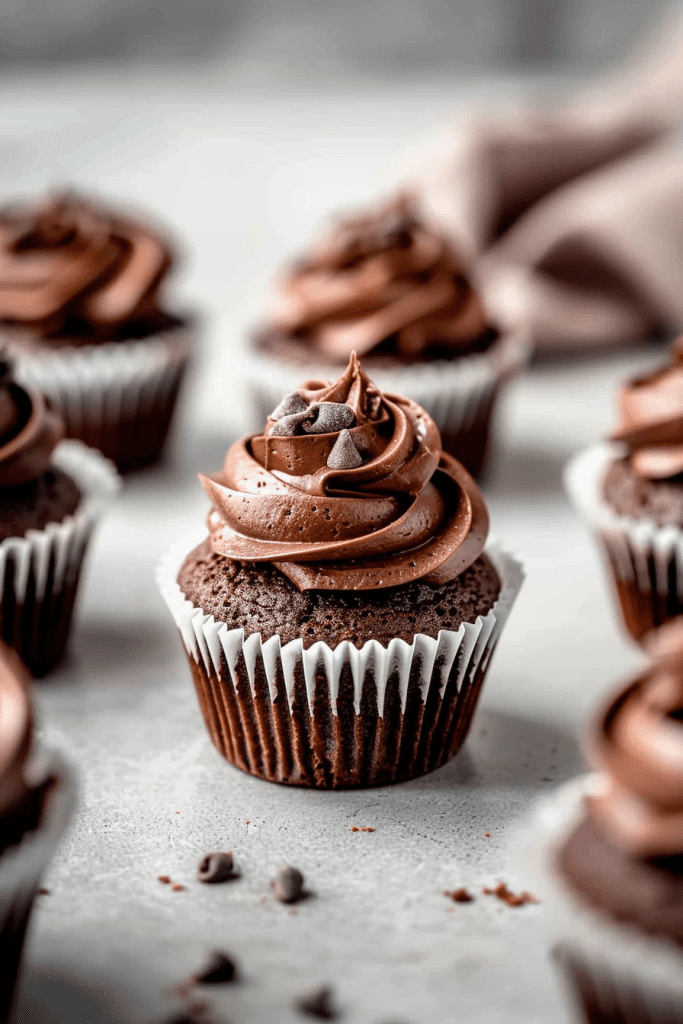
289 404
288 885
219 970
216 867
317 1003
330 417
344 454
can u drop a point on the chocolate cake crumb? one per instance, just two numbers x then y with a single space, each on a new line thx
512 899
165 879
43 892
177 887
487 835
216 867
220 970
355 828
317 1003
458 895
288 885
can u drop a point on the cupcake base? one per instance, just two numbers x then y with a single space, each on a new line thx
645 561
342 717
39 572
118 397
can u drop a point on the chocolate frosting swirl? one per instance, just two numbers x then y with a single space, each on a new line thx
651 409
347 489
638 743
384 279
69 264
29 431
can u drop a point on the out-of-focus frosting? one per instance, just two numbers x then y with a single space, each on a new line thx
651 413
15 731
638 743
71 264
347 489
29 431
384 279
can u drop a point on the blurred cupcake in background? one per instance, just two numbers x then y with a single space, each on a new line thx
340 617
608 850
630 492
51 494
393 289
37 796
82 311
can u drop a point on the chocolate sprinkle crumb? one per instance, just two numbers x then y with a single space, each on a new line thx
512 899
288 885
344 454
458 895
216 867
289 404
317 1003
220 970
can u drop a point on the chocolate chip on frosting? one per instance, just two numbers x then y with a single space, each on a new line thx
289 426
290 404
329 418
344 455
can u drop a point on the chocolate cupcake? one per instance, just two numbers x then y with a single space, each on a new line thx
80 308
630 491
393 289
613 849
51 495
340 617
36 800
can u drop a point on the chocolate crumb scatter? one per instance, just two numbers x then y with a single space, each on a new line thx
288 885
177 887
317 1003
367 828
220 970
216 867
512 899
165 879
458 895
487 835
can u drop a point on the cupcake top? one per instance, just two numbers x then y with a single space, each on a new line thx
15 736
29 431
69 266
651 420
347 489
638 744
384 283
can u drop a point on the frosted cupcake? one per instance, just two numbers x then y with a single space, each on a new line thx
340 617
51 494
393 289
613 851
82 310
36 799
630 492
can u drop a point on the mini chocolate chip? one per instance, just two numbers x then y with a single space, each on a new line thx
216 867
219 970
317 1003
329 417
344 454
288 885
289 404
289 426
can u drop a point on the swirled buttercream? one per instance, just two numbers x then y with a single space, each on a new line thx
71 265
638 744
651 414
29 432
347 489
384 282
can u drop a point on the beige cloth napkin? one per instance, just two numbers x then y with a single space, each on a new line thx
572 211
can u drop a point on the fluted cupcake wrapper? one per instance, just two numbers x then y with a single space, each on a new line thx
459 394
328 717
644 560
22 867
118 397
614 973
40 571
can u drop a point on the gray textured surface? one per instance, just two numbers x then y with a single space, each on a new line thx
109 941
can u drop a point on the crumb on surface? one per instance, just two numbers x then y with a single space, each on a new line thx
177 887
165 879
512 899
487 835
43 892
460 895
367 828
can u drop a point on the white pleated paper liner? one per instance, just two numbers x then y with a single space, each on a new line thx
459 394
40 571
337 717
645 560
118 397
615 973
22 867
